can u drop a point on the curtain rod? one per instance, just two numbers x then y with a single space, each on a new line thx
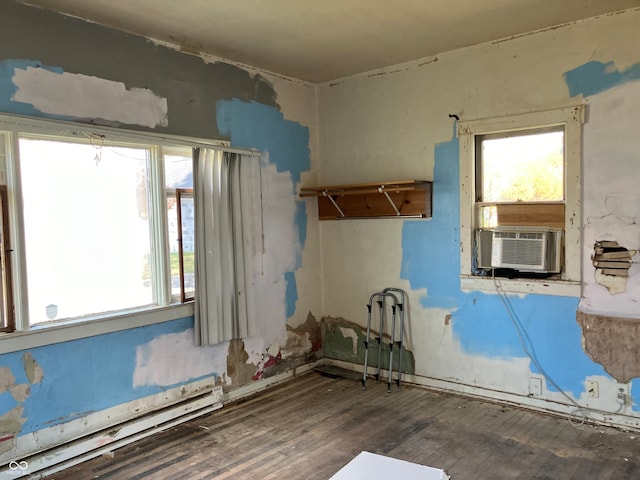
224 148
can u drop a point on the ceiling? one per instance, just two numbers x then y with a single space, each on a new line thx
322 40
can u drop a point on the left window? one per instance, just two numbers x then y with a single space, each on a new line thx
87 241
86 230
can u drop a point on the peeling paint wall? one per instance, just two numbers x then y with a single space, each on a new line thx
396 125
611 197
58 67
80 52
13 397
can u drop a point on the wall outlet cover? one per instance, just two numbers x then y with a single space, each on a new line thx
593 389
535 386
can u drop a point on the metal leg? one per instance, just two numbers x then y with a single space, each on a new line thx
379 338
366 345
402 305
393 328
400 344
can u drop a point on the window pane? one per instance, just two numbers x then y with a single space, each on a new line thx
87 232
186 204
523 168
178 169
7 323
186 229
179 177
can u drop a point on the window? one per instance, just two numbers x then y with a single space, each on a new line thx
522 173
96 230
86 228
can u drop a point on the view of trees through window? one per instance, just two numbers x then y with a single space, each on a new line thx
522 168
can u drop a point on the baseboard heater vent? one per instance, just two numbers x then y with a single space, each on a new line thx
99 443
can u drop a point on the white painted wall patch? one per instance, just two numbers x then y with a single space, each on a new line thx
172 358
82 96
351 333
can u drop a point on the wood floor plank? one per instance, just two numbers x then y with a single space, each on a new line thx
312 426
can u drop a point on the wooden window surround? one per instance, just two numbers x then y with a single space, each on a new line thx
396 199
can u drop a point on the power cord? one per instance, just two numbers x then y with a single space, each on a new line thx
529 350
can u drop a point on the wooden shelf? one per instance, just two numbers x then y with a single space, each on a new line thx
397 199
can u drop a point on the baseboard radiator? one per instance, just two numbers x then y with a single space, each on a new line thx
62 456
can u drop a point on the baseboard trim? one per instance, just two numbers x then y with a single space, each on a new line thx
541 405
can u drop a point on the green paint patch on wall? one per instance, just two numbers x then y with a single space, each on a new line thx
344 340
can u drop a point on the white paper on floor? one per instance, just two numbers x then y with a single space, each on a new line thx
369 466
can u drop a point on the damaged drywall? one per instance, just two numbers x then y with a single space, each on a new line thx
238 370
611 198
13 407
7 380
33 370
303 344
612 263
338 343
10 425
311 331
613 343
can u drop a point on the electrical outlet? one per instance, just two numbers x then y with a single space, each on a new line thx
535 386
593 389
622 394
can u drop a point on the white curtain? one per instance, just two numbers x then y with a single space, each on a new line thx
226 199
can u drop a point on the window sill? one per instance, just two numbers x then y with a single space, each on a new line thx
74 330
562 288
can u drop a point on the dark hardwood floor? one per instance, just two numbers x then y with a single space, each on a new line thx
311 427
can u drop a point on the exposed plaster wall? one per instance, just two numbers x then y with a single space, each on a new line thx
59 67
395 123
16 389
612 342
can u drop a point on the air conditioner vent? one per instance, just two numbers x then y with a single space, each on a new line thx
527 249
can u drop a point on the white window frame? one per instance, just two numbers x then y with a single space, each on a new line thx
571 118
166 308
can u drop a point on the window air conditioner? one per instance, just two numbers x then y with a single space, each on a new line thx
526 249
